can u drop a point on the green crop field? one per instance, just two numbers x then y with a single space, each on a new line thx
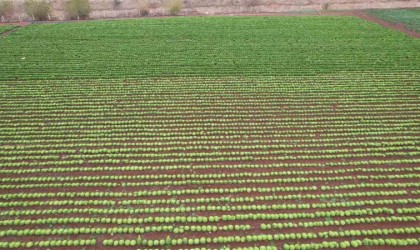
290 133
5 28
205 47
407 17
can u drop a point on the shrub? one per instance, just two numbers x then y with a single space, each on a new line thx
174 7
117 3
38 9
6 6
77 9
143 7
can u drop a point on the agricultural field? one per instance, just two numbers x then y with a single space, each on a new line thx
205 47
210 133
5 28
408 17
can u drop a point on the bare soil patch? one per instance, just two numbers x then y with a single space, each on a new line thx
20 24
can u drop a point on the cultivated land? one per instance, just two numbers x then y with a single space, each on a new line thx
408 17
287 132
5 28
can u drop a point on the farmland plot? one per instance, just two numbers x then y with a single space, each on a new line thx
301 139
5 28
408 17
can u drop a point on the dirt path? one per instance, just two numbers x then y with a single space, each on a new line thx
17 26
4 34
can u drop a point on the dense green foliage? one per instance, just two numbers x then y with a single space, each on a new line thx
210 133
6 6
212 46
408 17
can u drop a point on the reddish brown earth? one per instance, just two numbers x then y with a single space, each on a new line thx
15 24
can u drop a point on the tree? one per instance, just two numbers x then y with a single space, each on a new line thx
6 6
143 7
38 9
174 7
117 3
77 9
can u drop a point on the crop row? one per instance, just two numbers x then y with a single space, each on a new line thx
231 217
199 136
367 242
266 121
331 204
43 161
257 238
195 177
244 150
169 113
47 243
266 95
153 193
205 92
123 230
381 158
194 145
148 152
266 104
174 118
205 182
213 131
219 207
182 219
186 140
341 223
69 168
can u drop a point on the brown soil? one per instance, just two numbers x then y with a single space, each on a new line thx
21 24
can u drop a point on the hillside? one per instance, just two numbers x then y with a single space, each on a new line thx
131 8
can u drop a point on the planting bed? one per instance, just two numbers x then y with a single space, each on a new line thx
5 28
275 135
408 17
